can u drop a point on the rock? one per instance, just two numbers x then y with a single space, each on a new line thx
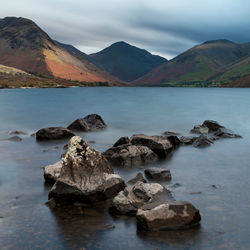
187 140
212 125
128 155
202 141
51 203
171 133
158 144
109 227
15 138
139 177
168 216
199 130
88 123
158 174
134 197
52 172
175 141
16 132
226 133
86 176
53 133
122 141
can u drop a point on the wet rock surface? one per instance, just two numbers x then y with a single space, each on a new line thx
86 176
199 130
138 177
52 172
53 133
212 125
168 216
187 140
88 123
122 141
202 141
226 133
158 174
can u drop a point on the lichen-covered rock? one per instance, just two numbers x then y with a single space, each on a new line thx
128 155
88 123
158 174
53 133
212 125
202 141
134 197
52 172
168 216
86 176
158 144
199 129
139 177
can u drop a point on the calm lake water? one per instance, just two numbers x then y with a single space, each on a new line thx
26 223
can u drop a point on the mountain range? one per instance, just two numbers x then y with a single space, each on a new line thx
26 48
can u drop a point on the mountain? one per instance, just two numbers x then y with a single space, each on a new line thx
125 61
11 71
199 64
25 46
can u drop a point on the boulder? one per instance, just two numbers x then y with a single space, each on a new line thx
175 141
168 216
134 197
158 174
158 144
212 125
88 123
122 141
86 176
226 133
199 130
52 172
187 140
202 141
139 177
53 133
128 155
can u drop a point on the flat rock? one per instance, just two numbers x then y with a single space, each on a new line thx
128 155
52 172
202 141
158 174
200 129
88 123
53 133
86 176
134 197
168 216
139 177
158 144
212 125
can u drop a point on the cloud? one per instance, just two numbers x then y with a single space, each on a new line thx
164 27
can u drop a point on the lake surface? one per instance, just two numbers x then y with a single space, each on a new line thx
27 223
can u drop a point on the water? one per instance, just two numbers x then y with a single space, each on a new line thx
26 223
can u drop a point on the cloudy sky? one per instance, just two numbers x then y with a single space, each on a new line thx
165 27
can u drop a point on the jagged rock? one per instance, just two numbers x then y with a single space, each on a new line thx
134 197
122 141
226 133
15 138
199 130
52 172
187 140
88 123
158 174
86 176
53 133
130 155
212 125
16 132
158 144
167 216
171 133
202 141
139 177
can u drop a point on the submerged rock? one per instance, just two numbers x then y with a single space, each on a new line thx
17 132
158 174
53 133
86 176
212 125
167 216
158 144
226 133
52 172
88 123
199 130
15 138
139 177
171 133
134 197
202 141
128 155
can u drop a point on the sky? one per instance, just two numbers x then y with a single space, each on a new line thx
163 27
